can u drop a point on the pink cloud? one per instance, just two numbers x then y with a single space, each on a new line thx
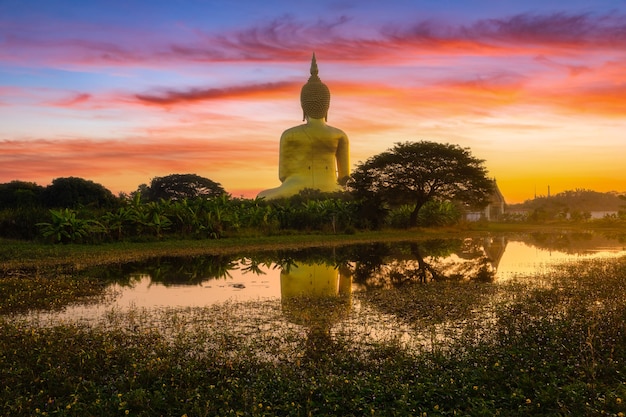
558 29
74 100
37 51
286 39
170 96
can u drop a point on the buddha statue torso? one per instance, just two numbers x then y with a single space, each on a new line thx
309 154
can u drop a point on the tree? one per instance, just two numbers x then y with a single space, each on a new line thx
418 172
72 192
19 194
181 186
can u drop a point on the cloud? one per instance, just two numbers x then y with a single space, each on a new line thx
603 100
342 40
41 160
171 96
522 34
74 100
574 70
562 29
35 51
287 39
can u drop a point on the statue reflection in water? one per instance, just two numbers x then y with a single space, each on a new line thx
316 296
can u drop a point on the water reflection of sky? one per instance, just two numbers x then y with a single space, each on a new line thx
240 287
509 257
521 258
143 293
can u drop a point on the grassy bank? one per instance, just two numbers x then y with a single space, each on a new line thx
31 258
509 349
26 258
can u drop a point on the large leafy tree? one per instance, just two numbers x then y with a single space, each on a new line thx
418 172
20 194
181 186
72 192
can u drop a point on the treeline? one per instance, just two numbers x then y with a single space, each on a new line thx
412 184
575 205
76 210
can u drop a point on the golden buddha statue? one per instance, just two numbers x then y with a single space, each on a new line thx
313 155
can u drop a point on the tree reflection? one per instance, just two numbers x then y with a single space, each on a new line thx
371 265
569 242
430 260
170 270
457 273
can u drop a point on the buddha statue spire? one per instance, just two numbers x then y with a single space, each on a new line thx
314 70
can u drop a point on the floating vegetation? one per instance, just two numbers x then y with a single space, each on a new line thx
20 294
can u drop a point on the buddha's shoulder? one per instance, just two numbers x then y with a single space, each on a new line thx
296 130
301 131
336 131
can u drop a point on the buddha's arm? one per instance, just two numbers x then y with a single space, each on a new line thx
343 159
285 156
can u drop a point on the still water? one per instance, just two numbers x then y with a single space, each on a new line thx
180 283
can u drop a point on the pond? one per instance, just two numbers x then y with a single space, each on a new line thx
343 273
505 322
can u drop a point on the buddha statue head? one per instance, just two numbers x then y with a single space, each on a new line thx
315 95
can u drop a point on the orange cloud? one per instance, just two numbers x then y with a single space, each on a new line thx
43 160
603 100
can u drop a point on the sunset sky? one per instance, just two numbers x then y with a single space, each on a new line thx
121 91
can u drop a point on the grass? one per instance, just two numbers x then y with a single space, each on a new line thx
32 257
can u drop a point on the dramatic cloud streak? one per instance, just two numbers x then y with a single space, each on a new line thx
263 91
287 39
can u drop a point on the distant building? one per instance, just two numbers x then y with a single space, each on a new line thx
493 211
602 214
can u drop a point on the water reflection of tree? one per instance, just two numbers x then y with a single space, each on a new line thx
573 242
170 270
424 261
568 242
432 282
373 264
193 270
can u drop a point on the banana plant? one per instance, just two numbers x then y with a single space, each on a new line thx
66 227
115 222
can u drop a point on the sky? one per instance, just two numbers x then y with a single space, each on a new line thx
122 91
